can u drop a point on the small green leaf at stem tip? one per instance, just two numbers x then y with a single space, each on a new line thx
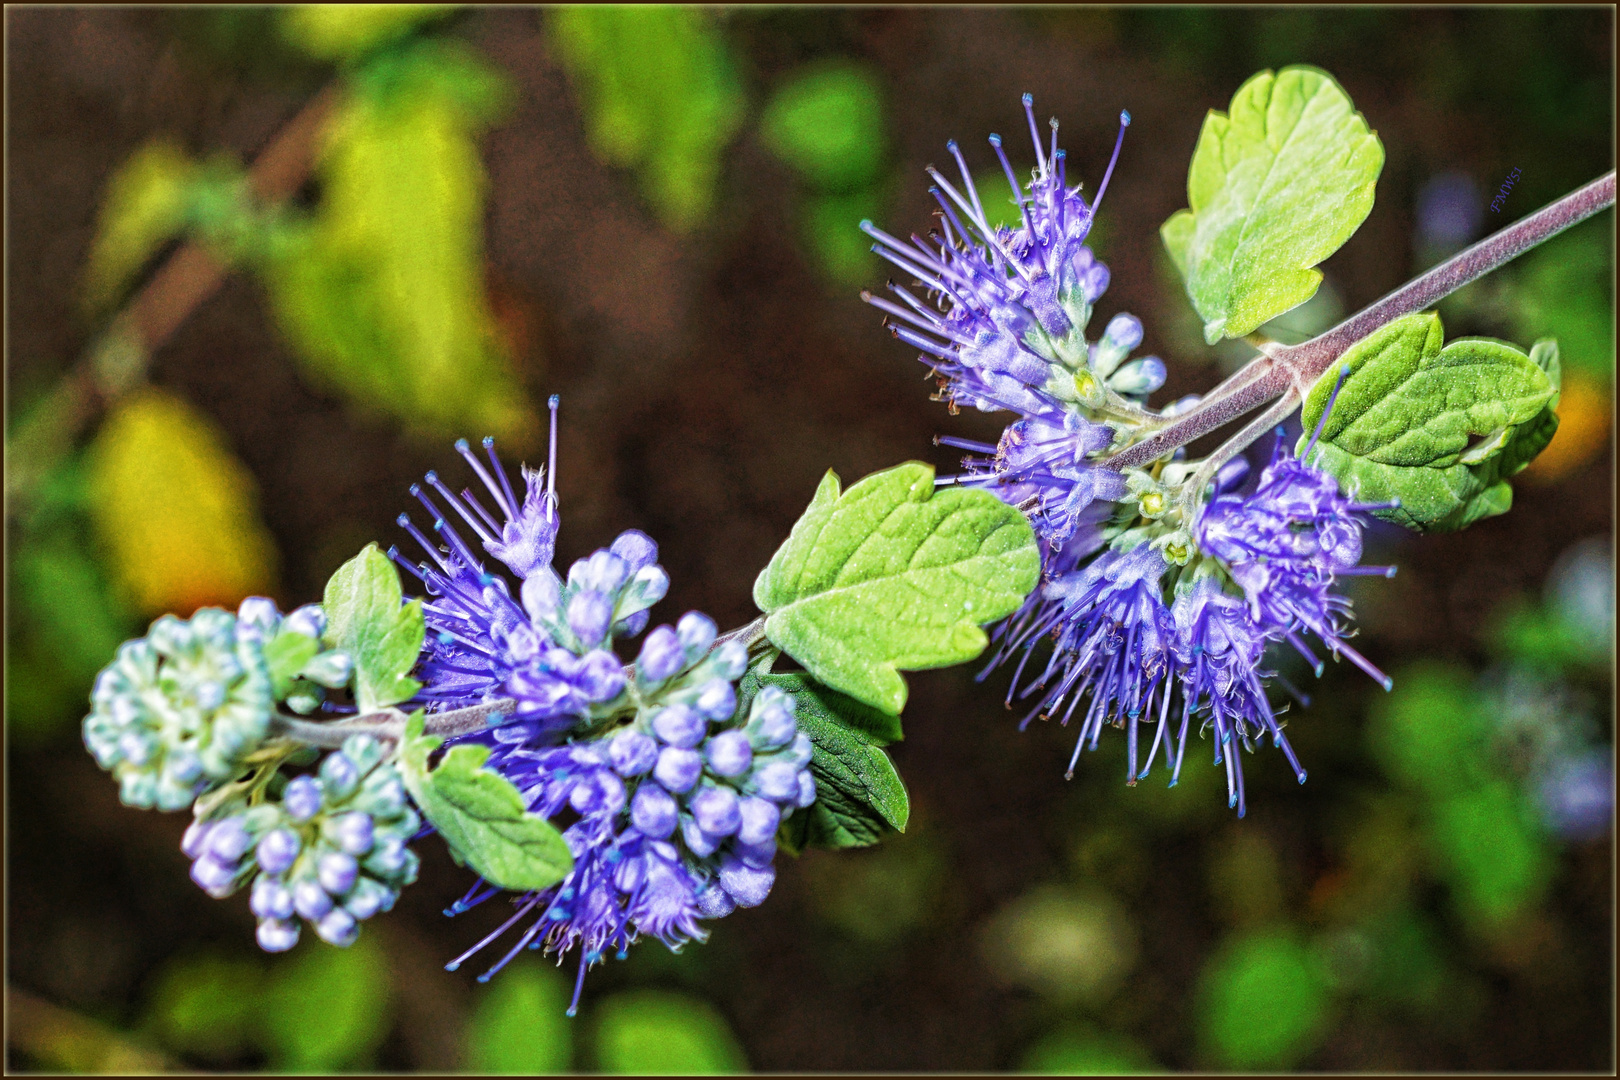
480 814
1276 185
1440 429
893 575
366 615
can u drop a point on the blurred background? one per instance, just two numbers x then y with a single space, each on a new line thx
265 265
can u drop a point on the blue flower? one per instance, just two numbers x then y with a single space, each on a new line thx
1284 545
671 792
1006 331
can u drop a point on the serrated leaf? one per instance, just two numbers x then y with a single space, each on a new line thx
659 92
382 293
366 615
859 796
1276 185
893 575
481 816
175 510
346 31
145 206
1404 422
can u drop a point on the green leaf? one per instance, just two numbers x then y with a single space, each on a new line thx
326 1007
145 206
481 815
659 92
827 123
519 1026
1264 1003
859 795
893 574
1438 428
346 31
285 655
367 617
1275 186
382 293
656 1033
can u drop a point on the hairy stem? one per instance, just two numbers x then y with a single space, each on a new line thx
1301 365
1238 443
387 724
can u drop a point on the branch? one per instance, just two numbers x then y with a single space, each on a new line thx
387 724
1301 365
116 357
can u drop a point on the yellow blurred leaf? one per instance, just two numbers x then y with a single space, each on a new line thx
144 207
174 508
1585 421
342 31
385 300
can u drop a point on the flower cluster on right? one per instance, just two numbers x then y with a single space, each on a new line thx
1158 603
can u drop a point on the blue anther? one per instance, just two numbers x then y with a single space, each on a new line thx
553 401
446 638
489 442
461 445
403 520
432 477
1125 117
452 965
1029 99
995 140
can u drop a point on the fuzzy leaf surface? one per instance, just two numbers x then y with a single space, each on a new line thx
481 816
893 575
367 616
1276 185
1440 428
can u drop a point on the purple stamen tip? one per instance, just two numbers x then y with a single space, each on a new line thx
461 445
553 401
438 525
452 965
1125 117
432 477
489 442
403 520
1029 99
416 490
995 140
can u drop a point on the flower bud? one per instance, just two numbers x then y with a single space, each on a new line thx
729 753
653 811
807 790
680 725
277 935
228 840
308 620
636 548
337 927
699 842
339 775
214 875
696 632
730 660
716 700
760 817
369 897
745 884
302 798
277 851
661 655
192 843
589 616
757 855
678 769
271 899
310 900
540 593
773 726
331 669
632 753
715 903
715 810
336 872
778 780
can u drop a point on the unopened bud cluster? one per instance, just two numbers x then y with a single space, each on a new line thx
331 851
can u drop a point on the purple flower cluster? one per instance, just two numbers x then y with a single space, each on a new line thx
331 851
671 800
675 819
1006 330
